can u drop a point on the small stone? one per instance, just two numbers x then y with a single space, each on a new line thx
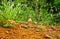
31 26
7 32
24 27
37 30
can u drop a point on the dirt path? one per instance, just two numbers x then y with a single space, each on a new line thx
30 31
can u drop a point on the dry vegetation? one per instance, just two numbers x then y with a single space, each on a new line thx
30 30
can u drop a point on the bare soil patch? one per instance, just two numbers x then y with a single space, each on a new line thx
30 31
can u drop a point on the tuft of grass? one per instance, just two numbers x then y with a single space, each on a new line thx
7 25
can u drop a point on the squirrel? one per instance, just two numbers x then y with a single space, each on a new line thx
29 19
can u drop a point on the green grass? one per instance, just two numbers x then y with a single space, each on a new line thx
20 10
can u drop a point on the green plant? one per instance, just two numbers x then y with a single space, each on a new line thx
42 11
6 23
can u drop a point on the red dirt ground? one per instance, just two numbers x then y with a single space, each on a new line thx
30 31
